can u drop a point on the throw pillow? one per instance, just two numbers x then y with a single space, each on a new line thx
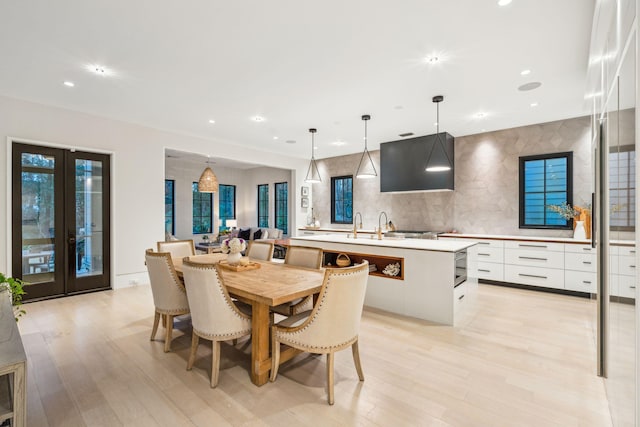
265 234
257 234
244 233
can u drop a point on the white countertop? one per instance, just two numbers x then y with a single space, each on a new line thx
388 242
533 238
338 230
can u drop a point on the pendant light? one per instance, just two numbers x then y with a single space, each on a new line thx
313 175
208 182
368 169
440 162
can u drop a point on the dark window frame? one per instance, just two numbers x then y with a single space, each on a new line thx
521 186
262 208
334 180
194 185
285 211
630 178
173 206
222 202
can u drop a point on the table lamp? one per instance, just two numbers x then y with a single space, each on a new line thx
231 223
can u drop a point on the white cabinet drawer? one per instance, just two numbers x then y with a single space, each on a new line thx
535 276
489 254
625 265
488 243
536 246
625 250
580 281
580 262
623 286
459 295
534 258
579 249
490 271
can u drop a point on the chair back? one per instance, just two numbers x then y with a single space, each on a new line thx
304 256
168 293
213 314
260 250
335 319
178 248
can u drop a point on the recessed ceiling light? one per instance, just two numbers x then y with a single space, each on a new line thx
99 70
290 141
525 72
212 121
275 137
338 143
69 84
257 119
503 2
529 86
534 104
481 115
433 59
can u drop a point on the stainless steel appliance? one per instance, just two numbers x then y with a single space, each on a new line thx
460 268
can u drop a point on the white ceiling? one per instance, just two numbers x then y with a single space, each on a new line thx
301 64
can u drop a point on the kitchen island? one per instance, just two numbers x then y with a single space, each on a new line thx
420 278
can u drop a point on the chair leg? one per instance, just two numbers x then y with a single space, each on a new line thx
164 320
330 377
169 333
215 363
156 320
195 339
235 341
356 360
275 356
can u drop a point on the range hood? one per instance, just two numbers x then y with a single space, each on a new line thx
403 164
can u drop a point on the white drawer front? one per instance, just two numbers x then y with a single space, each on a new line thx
488 243
490 271
459 295
626 250
534 258
625 286
579 249
536 246
580 281
580 262
626 265
535 276
489 254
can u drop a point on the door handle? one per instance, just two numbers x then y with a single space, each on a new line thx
72 240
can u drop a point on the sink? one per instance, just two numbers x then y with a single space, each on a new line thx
394 235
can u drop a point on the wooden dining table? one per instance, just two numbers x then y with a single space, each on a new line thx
270 285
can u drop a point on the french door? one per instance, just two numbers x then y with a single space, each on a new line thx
60 220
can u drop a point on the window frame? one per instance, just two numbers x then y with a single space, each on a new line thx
277 202
194 186
630 178
173 206
222 218
334 179
262 208
521 193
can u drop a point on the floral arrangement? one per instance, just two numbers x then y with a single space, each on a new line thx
234 246
565 210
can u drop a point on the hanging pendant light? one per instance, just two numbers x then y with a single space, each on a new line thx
208 182
366 169
439 162
313 175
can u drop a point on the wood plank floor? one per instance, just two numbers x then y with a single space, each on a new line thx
521 358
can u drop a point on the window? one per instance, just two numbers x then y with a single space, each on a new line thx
227 202
342 199
169 206
545 180
202 211
263 205
282 197
622 191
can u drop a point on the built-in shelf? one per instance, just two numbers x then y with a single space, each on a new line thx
356 258
6 410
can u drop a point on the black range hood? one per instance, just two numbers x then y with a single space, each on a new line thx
403 164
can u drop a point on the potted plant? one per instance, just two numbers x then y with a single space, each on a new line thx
15 290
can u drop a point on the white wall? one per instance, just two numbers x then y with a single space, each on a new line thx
138 163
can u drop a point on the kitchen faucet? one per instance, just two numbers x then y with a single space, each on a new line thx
386 221
355 220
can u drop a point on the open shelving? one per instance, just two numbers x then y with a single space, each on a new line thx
380 261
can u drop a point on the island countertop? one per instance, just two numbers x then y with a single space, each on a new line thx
387 242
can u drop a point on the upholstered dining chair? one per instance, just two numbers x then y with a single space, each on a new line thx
213 315
169 296
332 325
300 256
260 250
178 248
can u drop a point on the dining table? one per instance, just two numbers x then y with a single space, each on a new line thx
272 284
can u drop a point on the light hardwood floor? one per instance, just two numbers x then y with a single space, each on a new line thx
521 358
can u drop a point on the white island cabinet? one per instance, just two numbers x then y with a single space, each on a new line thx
425 284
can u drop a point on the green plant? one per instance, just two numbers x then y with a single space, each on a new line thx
564 210
16 287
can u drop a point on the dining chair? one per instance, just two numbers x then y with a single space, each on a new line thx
169 296
260 250
300 256
214 315
332 325
178 248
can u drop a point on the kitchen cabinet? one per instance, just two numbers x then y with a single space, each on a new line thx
622 274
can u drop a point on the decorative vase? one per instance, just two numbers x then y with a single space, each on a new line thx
234 258
579 232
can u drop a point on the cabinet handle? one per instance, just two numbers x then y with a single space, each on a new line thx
532 257
587 249
484 254
588 282
632 287
484 243
532 246
484 271
460 297
632 266
586 262
532 275
632 252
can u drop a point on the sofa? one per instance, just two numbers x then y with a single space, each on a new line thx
250 233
